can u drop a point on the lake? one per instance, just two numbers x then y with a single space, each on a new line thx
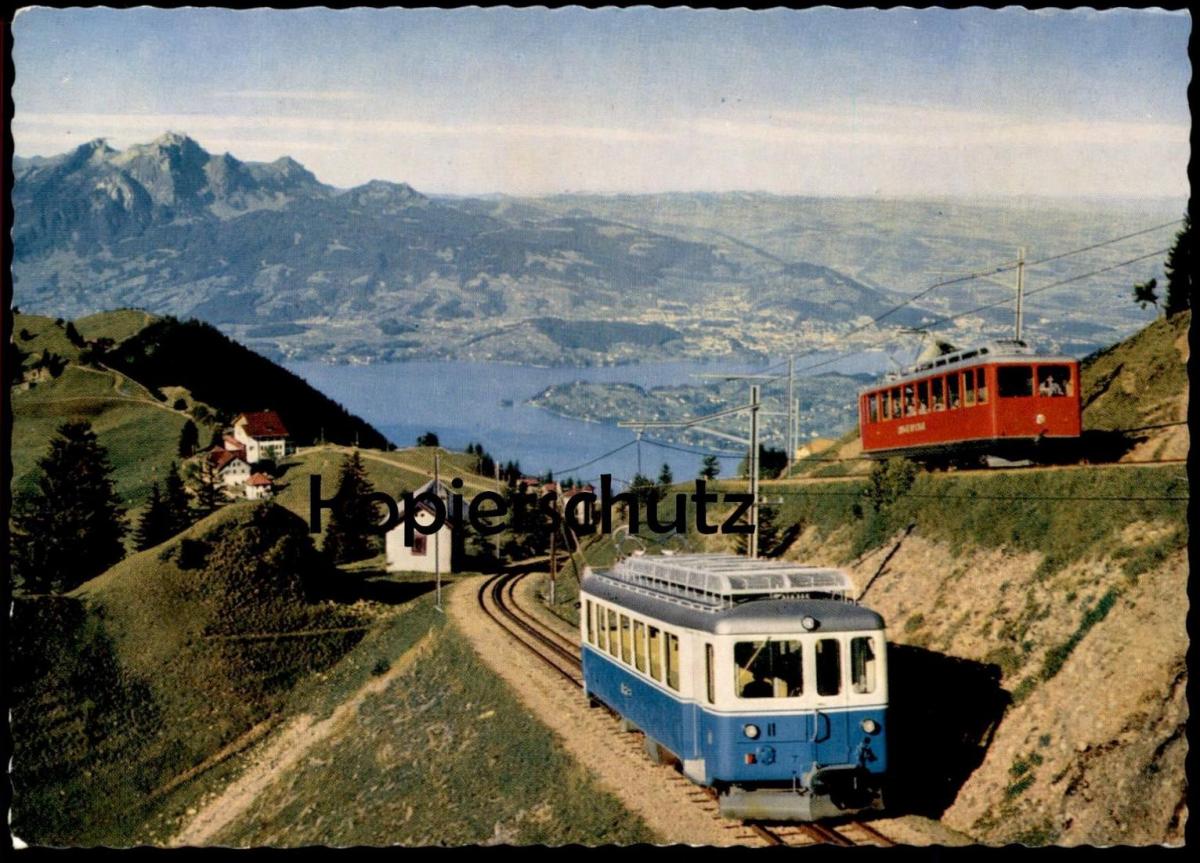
465 402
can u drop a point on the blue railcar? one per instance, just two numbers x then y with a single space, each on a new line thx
762 678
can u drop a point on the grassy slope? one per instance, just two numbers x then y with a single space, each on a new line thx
140 432
444 756
145 671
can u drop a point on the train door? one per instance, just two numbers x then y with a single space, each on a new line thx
831 700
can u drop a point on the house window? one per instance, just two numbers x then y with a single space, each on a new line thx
419 545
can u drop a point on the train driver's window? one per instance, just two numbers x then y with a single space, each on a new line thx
896 403
673 661
872 408
935 394
601 629
862 665
655 653
981 384
829 666
1054 381
968 387
1014 381
625 643
612 632
768 669
923 397
639 645
591 624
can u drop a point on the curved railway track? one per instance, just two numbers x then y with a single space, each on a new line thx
498 601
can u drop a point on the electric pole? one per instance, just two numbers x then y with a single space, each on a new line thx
1020 288
752 552
437 535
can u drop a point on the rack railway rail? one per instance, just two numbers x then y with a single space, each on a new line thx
497 599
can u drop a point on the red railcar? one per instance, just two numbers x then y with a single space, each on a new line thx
1001 401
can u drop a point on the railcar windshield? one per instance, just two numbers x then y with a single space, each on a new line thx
768 669
1055 381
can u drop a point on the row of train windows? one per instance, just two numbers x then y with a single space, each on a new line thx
774 669
641 645
966 389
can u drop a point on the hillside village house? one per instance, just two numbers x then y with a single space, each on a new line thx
263 435
231 467
260 486
420 558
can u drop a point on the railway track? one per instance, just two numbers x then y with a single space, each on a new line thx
497 599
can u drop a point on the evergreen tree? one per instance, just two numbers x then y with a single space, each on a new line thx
666 479
353 519
189 439
69 529
206 486
1146 293
428 439
711 468
155 524
178 504
73 335
1179 269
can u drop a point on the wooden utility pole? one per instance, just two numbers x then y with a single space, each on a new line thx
553 559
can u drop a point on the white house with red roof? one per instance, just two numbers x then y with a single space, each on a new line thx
263 435
230 467
259 486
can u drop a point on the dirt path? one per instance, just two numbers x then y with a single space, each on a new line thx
283 751
667 802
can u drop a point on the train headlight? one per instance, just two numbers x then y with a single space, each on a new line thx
870 726
809 623
750 731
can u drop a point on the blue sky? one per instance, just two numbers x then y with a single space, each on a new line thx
828 102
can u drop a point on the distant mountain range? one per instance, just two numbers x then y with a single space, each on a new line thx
301 269
268 252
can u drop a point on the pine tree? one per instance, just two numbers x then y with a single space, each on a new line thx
1146 293
175 496
70 529
189 439
1179 268
206 486
351 534
155 524
666 479
711 468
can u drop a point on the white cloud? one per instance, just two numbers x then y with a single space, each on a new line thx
296 95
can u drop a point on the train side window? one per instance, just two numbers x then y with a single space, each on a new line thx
896 403
1054 381
655 653
872 409
981 385
910 406
768 669
673 661
710 674
601 629
591 624
612 632
936 386
1014 381
639 646
923 397
862 665
829 666
625 642
968 387
952 396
